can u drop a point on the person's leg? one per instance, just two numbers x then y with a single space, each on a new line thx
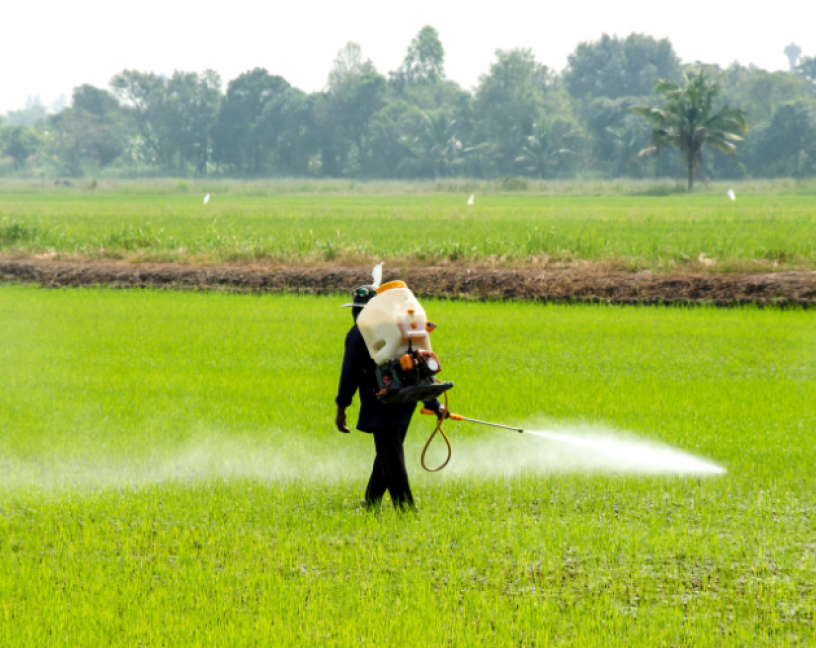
391 456
376 483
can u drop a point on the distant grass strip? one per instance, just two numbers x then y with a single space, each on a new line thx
705 232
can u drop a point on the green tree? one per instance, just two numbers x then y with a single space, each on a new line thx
386 136
356 93
424 63
174 116
436 149
787 144
246 131
807 70
19 143
190 112
144 94
507 103
613 67
34 113
688 120
93 130
544 150
295 130
759 92
96 101
348 63
616 136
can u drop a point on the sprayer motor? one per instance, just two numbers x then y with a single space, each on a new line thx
411 378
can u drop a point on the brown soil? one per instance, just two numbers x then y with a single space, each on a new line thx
589 283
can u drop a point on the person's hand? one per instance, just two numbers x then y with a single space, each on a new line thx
340 421
442 412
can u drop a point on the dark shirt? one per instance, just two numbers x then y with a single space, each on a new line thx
358 373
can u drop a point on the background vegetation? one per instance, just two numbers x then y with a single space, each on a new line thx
169 473
521 120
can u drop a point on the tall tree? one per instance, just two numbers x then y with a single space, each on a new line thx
688 120
348 63
788 142
544 150
613 67
144 93
437 150
356 93
807 70
174 116
759 92
290 117
96 101
246 131
19 143
192 106
424 63
93 130
30 116
508 102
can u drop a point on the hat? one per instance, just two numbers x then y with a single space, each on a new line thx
361 296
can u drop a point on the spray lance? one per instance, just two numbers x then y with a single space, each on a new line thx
397 334
453 417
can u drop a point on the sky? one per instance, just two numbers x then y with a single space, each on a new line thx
51 46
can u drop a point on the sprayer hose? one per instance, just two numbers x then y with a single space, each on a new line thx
438 428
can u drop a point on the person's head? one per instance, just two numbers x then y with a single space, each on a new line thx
360 297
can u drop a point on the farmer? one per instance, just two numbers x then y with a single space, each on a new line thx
388 423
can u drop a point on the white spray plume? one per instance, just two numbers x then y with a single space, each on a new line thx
209 455
206 199
376 275
471 199
576 449
731 194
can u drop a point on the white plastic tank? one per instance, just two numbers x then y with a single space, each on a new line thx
390 320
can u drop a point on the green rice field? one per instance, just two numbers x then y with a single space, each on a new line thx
704 231
170 474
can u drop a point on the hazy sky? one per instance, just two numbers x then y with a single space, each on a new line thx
48 47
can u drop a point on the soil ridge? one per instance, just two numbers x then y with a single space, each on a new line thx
586 283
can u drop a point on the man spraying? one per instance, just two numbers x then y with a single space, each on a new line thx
388 394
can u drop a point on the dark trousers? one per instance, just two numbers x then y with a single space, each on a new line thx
389 468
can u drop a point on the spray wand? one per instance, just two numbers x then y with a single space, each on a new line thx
459 417
453 417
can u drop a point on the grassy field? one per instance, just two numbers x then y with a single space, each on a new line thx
169 475
705 231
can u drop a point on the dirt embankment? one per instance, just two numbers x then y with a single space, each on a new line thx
573 284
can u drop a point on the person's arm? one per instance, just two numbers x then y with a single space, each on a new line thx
350 379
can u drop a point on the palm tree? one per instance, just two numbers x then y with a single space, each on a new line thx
437 150
540 152
688 121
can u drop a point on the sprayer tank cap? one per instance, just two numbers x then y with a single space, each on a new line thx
390 285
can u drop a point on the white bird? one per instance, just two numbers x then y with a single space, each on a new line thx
471 199
731 194
206 199
376 275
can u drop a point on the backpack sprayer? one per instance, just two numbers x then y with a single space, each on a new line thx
397 335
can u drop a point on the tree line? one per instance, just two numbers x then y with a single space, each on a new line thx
595 118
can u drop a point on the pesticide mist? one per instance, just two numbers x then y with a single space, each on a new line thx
210 454
577 449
